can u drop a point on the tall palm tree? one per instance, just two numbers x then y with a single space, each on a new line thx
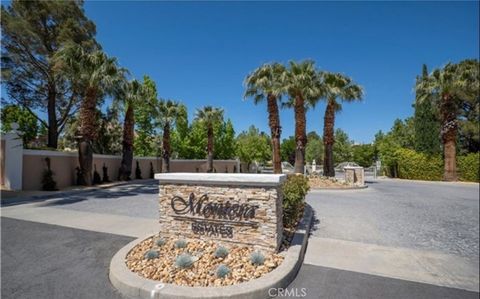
336 86
168 113
266 83
209 116
98 75
130 95
449 88
304 86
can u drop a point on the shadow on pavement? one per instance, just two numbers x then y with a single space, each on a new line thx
315 222
64 198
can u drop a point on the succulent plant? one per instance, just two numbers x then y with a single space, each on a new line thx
221 252
184 260
222 271
180 243
257 258
160 242
151 254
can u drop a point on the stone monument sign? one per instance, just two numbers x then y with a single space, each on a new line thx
245 209
354 176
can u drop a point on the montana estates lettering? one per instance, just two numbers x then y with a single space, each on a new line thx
202 206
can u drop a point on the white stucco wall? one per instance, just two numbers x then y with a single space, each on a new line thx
13 160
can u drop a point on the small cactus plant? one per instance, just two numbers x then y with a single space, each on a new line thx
257 258
222 271
180 243
160 242
184 261
151 254
221 252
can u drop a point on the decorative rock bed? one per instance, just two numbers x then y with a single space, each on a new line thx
319 182
205 262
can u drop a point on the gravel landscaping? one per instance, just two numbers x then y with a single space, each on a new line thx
199 263
319 182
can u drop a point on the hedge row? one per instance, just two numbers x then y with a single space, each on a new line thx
469 167
418 166
294 191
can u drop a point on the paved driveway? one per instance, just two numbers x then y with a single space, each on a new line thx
419 215
391 235
42 261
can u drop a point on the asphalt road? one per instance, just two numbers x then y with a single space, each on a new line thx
420 215
395 239
322 282
42 261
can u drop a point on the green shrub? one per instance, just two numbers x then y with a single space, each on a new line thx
152 172
184 260
221 252
294 191
222 271
418 166
151 254
138 172
257 258
96 176
469 167
160 242
48 183
180 243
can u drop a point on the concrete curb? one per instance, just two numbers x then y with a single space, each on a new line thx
431 182
54 194
130 284
349 188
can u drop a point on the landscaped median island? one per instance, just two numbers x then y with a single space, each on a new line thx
199 263
322 182
235 235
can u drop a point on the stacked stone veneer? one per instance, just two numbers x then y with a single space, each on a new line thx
355 176
264 231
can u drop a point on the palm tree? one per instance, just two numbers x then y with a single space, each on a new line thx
130 95
168 112
449 88
209 116
336 86
97 75
266 82
303 84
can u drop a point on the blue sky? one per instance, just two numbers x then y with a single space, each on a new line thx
200 52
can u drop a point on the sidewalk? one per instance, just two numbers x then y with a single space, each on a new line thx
97 222
88 208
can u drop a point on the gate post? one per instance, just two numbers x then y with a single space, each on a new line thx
13 159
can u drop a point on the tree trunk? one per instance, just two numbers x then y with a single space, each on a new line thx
127 145
210 148
52 117
166 148
448 110
450 167
329 139
85 159
300 134
87 135
276 131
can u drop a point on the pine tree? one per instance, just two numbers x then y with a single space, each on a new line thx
427 126
32 34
